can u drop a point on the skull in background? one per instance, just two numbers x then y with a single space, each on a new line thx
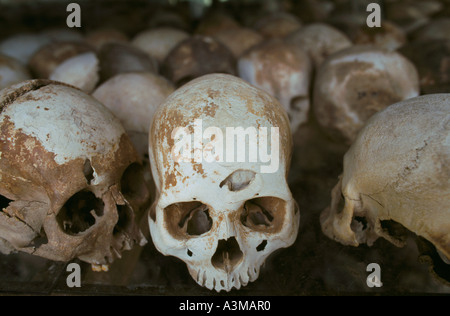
396 174
284 71
221 214
69 176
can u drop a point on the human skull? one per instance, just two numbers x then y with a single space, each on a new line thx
12 71
81 71
277 24
355 83
66 167
388 36
158 42
101 36
23 46
50 56
239 40
396 172
133 98
196 56
116 58
319 40
223 218
283 70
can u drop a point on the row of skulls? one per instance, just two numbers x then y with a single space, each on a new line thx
79 174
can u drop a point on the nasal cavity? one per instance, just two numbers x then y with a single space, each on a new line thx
238 180
228 254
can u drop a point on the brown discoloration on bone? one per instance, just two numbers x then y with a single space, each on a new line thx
117 58
239 40
45 60
257 103
350 88
11 94
277 24
199 169
370 94
385 36
197 56
276 59
36 182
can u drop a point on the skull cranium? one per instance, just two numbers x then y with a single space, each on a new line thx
396 172
65 166
222 218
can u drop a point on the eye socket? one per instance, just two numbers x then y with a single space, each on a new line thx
264 214
78 213
187 218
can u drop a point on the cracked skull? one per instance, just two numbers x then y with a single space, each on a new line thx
219 212
66 167
396 174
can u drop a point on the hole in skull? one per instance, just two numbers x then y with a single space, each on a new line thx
238 180
39 241
132 183
395 229
262 246
264 213
88 171
125 219
228 254
360 222
77 214
189 253
439 264
197 221
4 202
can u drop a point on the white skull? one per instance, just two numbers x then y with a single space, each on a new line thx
397 170
67 169
284 71
134 97
222 218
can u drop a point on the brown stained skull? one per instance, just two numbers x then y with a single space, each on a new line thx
197 56
66 167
